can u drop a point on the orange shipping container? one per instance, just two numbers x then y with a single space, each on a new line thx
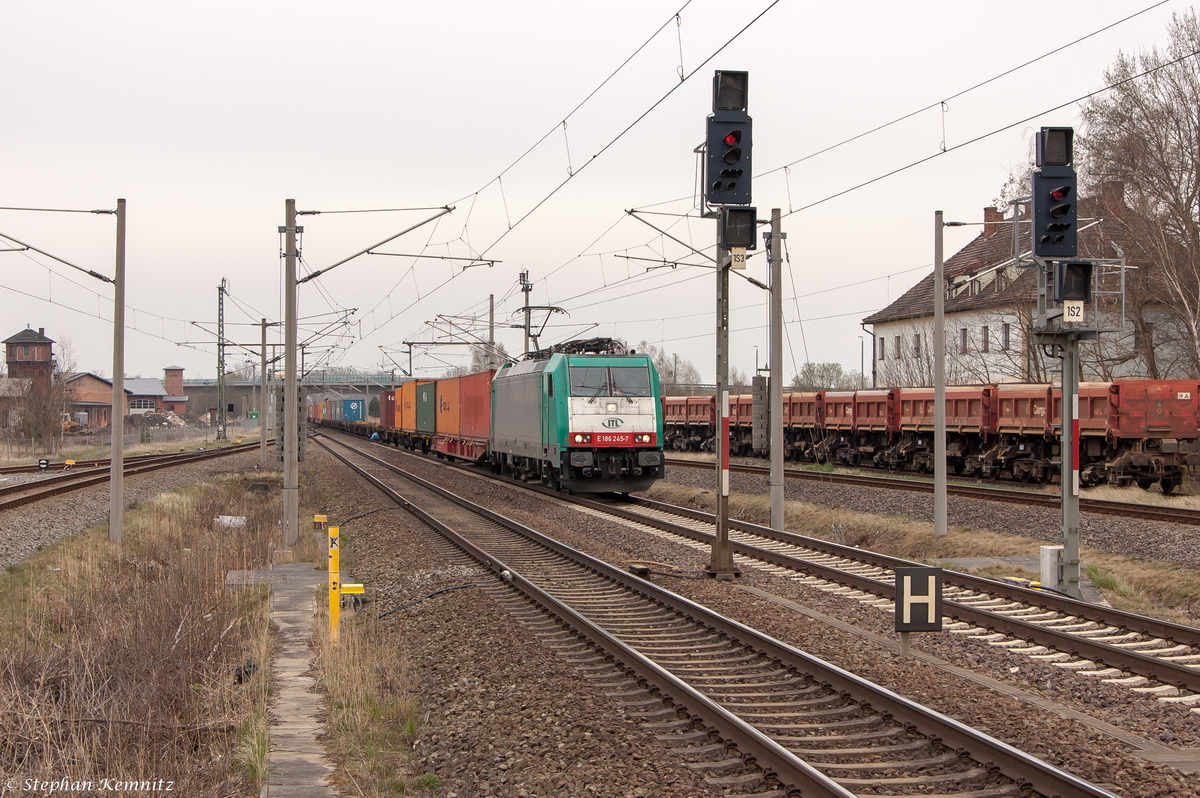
447 407
406 406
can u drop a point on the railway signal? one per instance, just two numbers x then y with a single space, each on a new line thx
738 228
727 170
727 175
1072 281
1072 288
1055 200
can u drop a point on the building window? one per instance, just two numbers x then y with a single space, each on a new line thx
896 348
1005 337
917 345
983 338
882 347
962 340
141 404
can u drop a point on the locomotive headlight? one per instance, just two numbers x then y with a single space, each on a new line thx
611 407
578 438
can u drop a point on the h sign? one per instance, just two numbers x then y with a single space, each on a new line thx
918 599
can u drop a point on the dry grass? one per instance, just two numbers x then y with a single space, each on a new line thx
122 663
203 439
373 718
1158 588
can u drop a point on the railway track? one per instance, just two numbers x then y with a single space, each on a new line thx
76 479
1158 658
34 468
1125 648
1176 515
760 715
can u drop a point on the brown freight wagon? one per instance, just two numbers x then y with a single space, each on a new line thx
741 424
970 423
674 414
1135 431
801 423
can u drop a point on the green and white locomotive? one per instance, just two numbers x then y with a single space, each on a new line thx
597 426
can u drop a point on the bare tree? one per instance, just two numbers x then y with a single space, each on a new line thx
1144 133
826 377
483 357
676 375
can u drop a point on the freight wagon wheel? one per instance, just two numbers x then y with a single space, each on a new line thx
1144 483
1170 483
1025 476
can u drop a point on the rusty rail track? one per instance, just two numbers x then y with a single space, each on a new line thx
1145 512
1135 644
777 706
29 492
1137 650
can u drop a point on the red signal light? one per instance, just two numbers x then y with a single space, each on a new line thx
733 138
1060 193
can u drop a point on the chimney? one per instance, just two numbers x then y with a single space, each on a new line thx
42 331
990 217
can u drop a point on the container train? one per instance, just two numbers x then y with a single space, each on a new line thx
1130 431
582 420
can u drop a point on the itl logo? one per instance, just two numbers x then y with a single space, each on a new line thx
612 423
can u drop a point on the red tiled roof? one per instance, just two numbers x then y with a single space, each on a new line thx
985 253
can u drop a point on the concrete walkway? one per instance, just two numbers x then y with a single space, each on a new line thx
297 766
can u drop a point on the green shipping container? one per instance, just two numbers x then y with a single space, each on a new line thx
427 407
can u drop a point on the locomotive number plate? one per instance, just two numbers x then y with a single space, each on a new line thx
604 437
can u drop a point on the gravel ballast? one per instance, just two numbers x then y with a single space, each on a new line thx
460 680
505 716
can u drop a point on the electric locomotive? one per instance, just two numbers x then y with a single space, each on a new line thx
584 420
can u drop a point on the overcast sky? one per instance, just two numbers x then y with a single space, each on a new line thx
207 116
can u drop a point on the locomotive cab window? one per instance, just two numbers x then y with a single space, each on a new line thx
610 381
630 380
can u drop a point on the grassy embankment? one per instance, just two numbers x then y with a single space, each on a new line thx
374 712
202 439
129 663
1162 589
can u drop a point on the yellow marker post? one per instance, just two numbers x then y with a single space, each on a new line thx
320 523
335 596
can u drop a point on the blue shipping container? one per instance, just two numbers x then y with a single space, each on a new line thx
353 410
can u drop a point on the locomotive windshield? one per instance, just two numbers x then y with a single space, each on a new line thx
594 381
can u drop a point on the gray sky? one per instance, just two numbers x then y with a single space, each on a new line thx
207 116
